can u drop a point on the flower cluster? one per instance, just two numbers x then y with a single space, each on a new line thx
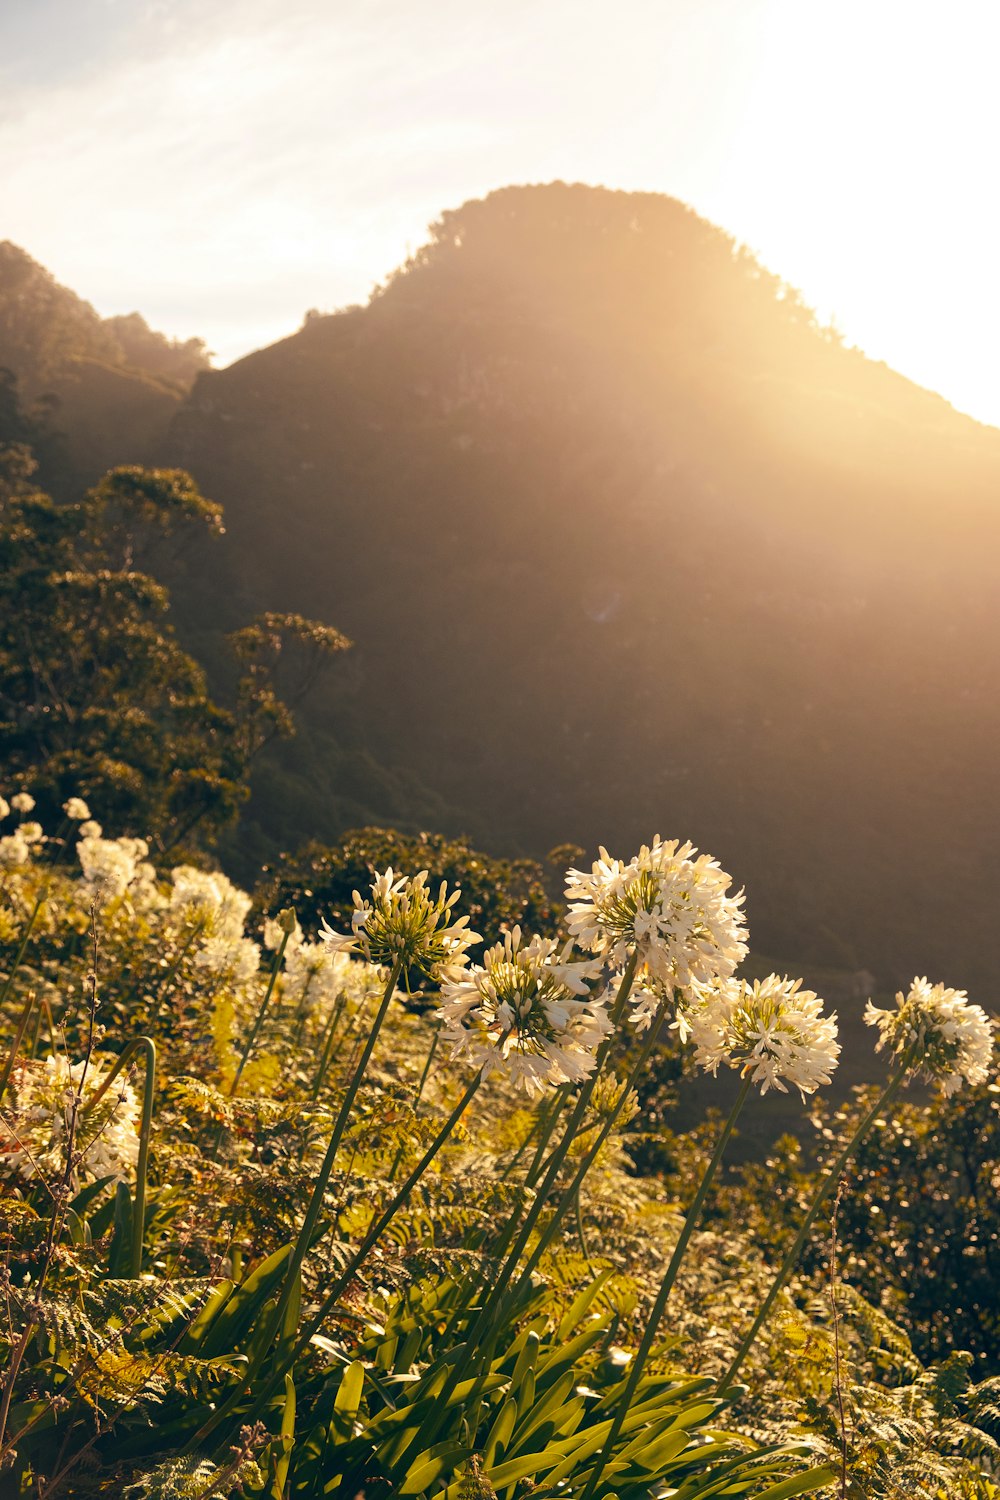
669 904
948 1040
218 910
315 975
211 899
771 1030
403 923
110 866
520 1011
35 1129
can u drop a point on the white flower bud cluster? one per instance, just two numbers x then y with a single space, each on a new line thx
949 1040
210 897
35 1126
772 1030
109 866
520 1011
403 923
670 904
16 848
218 909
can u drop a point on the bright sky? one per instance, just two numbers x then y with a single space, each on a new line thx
223 165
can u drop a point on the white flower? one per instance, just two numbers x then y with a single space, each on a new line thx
22 802
668 903
32 833
34 1131
236 960
771 1030
14 850
403 923
518 1011
90 830
275 930
76 809
108 866
646 999
948 1040
210 897
4 809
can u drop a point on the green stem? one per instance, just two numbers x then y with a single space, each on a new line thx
259 1021
666 1287
302 1012
427 1067
171 974
477 1334
830 1179
328 1040
147 1046
540 1126
545 1124
573 1190
305 1234
374 1234
557 1156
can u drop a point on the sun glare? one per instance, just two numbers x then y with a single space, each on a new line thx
861 173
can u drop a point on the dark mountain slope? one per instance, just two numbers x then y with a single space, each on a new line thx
110 385
627 543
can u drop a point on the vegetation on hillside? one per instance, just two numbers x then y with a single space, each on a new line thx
95 692
269 1232
627 540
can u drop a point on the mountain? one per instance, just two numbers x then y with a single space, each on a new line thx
111 386
628 544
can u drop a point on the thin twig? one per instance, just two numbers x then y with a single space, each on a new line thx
838 1383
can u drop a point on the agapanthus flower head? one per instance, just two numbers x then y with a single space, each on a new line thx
109 865
35 1126
22 802
647 998
527 1010
32 832
76 809
14 850
772 1030
210 898
90 829
669 904
948 1040
4 809
233 960
611 1095
401 921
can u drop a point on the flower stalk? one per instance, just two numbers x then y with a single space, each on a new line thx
667 1285
304 1238
147 1047
830 1180
261 1013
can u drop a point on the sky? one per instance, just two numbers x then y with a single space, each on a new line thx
224 165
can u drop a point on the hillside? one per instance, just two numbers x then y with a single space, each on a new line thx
110 385
627 543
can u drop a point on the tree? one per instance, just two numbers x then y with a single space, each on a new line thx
96 696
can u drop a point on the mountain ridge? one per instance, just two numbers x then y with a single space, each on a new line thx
627 542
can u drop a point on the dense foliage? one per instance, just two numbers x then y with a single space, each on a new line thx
97 695
182 1384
